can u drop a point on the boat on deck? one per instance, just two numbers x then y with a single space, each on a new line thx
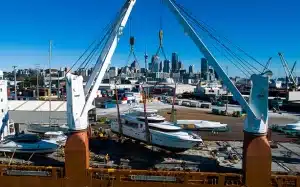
202 125
57 136
163 134
27 143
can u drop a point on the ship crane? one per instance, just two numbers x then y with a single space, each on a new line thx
288 72
79 100
257 152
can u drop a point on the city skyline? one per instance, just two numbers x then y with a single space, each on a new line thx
261 34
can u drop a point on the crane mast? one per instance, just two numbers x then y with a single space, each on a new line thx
79 100
257 109
288 72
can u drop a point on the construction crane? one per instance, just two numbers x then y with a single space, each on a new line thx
288 72
266 68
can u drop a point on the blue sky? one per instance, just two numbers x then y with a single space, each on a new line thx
262 28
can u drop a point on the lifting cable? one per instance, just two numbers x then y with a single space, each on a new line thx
234 63
131 43
220 36
131 52
242 65
233 54
160 36
107 31
86 51
206 29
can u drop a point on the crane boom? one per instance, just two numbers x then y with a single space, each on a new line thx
267 65
294 65
257 110
288 72
83 98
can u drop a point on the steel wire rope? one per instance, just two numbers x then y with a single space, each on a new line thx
89 47
216 39
204 23
97 47
160 47
244 62
230 60
104 29
240 68
232 56
108 39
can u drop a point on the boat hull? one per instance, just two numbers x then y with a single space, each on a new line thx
158 139
42 147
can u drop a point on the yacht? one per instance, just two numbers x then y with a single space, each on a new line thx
43 128
202 125
57 136
27 143
163 134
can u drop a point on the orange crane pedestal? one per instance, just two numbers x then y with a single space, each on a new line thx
257 160
77 158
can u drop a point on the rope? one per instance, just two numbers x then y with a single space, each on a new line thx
106 29
239 48
205 29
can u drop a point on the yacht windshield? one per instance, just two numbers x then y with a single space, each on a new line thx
149 114
164 130
152 120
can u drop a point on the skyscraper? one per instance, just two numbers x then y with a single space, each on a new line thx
154 64
175 62
161 65
191 69
166 67
204 68
134 65
180 65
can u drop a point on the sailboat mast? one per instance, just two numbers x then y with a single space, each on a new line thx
50 80
173 112
145 116
118 110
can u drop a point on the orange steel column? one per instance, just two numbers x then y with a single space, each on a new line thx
77 159
257 160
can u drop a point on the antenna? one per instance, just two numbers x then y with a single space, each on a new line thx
50 80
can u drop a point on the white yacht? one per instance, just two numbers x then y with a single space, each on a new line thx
163 134
202 125
57 136
27 143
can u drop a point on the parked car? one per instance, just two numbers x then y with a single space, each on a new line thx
129 96
205 105
195 104
186 103
178 102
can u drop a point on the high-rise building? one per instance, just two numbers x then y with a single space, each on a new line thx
134 65
161 65
211 73
180 65
150 66
166 67
191 69
204 68
154 63
175 62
